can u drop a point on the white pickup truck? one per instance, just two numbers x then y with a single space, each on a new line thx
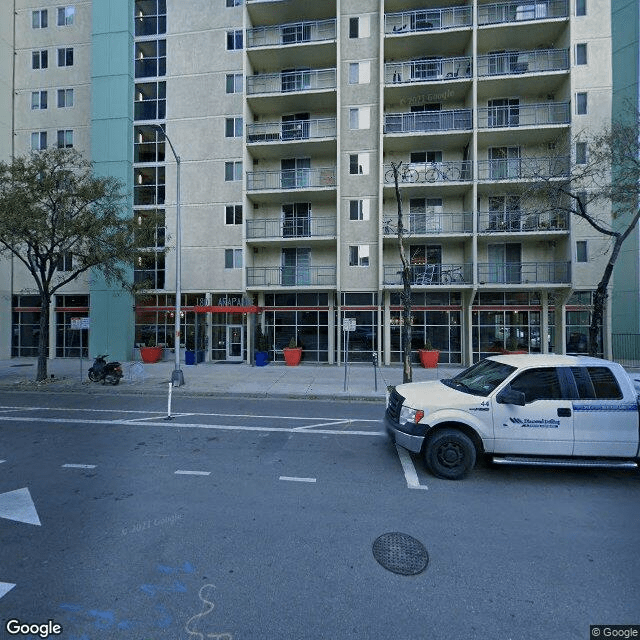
520 409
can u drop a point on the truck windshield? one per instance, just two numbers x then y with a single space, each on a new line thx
482 378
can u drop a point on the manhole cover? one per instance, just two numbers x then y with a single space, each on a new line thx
400 553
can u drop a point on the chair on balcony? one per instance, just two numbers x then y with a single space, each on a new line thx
428 276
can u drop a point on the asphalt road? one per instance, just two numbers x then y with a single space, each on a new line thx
256 520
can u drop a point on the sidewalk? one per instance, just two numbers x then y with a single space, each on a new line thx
312 381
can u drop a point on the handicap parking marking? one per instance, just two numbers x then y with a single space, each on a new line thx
410 473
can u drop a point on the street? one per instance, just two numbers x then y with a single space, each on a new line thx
255 519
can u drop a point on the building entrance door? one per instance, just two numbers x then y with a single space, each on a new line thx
235 342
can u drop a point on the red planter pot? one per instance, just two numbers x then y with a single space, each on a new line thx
429 358
150 354
292 356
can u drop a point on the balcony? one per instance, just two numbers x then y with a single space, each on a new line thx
301 227
292 33
522 221
291 81
427 223
292 179
524 115
319 128
427 20
430 274
528 168
271 277
519 62
522 11
524 273
430 172
427 69
423 121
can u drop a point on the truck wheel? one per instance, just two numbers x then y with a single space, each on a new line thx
450 454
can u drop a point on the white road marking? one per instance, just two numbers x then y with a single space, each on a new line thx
17 505
5 587
1 461
322 424
181 472
410 473
293 479
78 466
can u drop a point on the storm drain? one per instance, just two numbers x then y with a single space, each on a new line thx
400 553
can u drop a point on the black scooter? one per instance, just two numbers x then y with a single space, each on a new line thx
103 371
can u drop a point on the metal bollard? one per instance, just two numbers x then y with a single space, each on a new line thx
374 358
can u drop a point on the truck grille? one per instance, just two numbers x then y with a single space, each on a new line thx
394 406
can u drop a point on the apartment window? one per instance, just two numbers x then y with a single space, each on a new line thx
150 58
359 255
359 118
581 251
234 39
65 98
581 53
581 7
233 258
65 262
39 19
65 139
234 83
233 214
234 3
38 140
359 72
581 104
359 209
65 57
233 128
354 27
232 171
39 59
65 16
38 99
359 164
581 153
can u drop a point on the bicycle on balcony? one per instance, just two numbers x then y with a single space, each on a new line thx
453 275
405 174
438 173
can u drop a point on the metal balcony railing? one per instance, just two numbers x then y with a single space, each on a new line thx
291 276
524 273
431 69
427 223
292 81
449 120
518 62
292 33
522 10
428 20
522 220
524 115
291 179
528 168
291 130
430 274
300 227
430 172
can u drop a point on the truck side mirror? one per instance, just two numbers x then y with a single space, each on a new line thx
511 396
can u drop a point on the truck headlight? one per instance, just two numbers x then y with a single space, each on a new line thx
407 414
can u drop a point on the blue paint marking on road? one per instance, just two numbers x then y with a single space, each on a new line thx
104 619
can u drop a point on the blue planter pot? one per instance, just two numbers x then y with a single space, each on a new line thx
262 358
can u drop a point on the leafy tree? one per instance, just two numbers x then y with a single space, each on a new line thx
53 206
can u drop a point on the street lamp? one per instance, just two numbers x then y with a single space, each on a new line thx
177 377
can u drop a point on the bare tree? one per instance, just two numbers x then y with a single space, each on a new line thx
60 220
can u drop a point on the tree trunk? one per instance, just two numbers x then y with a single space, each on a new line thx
43 339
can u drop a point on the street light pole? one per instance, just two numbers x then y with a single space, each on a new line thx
177 377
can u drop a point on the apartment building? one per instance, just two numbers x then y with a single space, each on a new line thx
288 117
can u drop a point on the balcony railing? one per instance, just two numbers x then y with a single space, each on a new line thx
522 220
524 273
430 274
528 168
291 276
428 20
291 179
454 119
430 172
518 62
432 69
300 227
292 33
428 223
292 81
291 130
522 10
524 115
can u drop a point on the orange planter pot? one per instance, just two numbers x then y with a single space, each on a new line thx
292 356
150 354
429 358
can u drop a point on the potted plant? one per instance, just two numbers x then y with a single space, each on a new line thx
292 353
151 353
428 355
262 348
